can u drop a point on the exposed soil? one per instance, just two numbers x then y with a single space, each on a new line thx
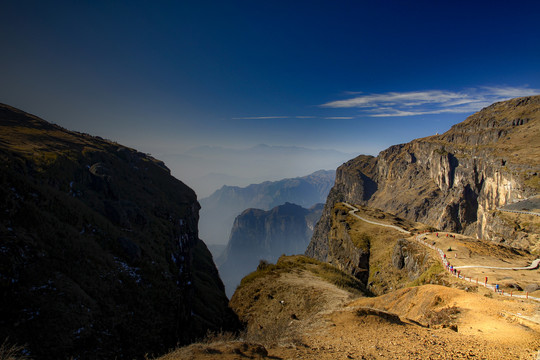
426 322
297 315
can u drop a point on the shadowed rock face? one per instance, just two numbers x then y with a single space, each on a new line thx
259 234
454 181
99 248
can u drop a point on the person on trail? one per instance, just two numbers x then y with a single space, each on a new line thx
497 287
486 280
437 234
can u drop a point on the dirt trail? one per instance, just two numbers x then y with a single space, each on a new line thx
500 265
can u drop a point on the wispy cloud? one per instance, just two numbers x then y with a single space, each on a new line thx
339 117
430 101
275 117
261 117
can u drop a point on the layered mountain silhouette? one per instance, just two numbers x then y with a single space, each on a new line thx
99 253
221 208
211 167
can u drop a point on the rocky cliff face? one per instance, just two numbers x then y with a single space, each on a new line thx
454 181
259 234
99 251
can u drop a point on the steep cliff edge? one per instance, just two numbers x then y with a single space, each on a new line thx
454 181
99 248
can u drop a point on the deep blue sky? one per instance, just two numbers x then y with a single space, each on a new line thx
357 76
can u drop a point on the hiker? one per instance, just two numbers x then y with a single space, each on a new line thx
486 281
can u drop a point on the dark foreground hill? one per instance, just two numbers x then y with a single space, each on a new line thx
99 249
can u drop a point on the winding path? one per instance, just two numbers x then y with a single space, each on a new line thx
520 212
353 213
535 264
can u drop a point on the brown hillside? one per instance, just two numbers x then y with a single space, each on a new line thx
422 322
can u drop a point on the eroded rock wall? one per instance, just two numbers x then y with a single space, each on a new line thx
454 181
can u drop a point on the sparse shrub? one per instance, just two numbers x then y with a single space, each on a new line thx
263 264
430 276
272 335
445 316
220 336
12 352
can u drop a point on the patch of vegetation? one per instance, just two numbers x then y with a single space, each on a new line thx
445 316
12 352
298 263
533 181
442 151
430 276
362 241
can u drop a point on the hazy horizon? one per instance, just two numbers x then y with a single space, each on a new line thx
210 168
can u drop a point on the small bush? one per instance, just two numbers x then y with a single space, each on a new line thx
263 264
445 316
430 276
12 352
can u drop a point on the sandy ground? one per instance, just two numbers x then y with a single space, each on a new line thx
479 327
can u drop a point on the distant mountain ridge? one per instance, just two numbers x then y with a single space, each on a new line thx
258 234
207 168
220 209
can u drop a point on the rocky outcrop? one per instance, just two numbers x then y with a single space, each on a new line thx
454 181
99 254
259 234
409 257
343 253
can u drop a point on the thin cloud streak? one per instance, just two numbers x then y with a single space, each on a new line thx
275 117
261 117
429 102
